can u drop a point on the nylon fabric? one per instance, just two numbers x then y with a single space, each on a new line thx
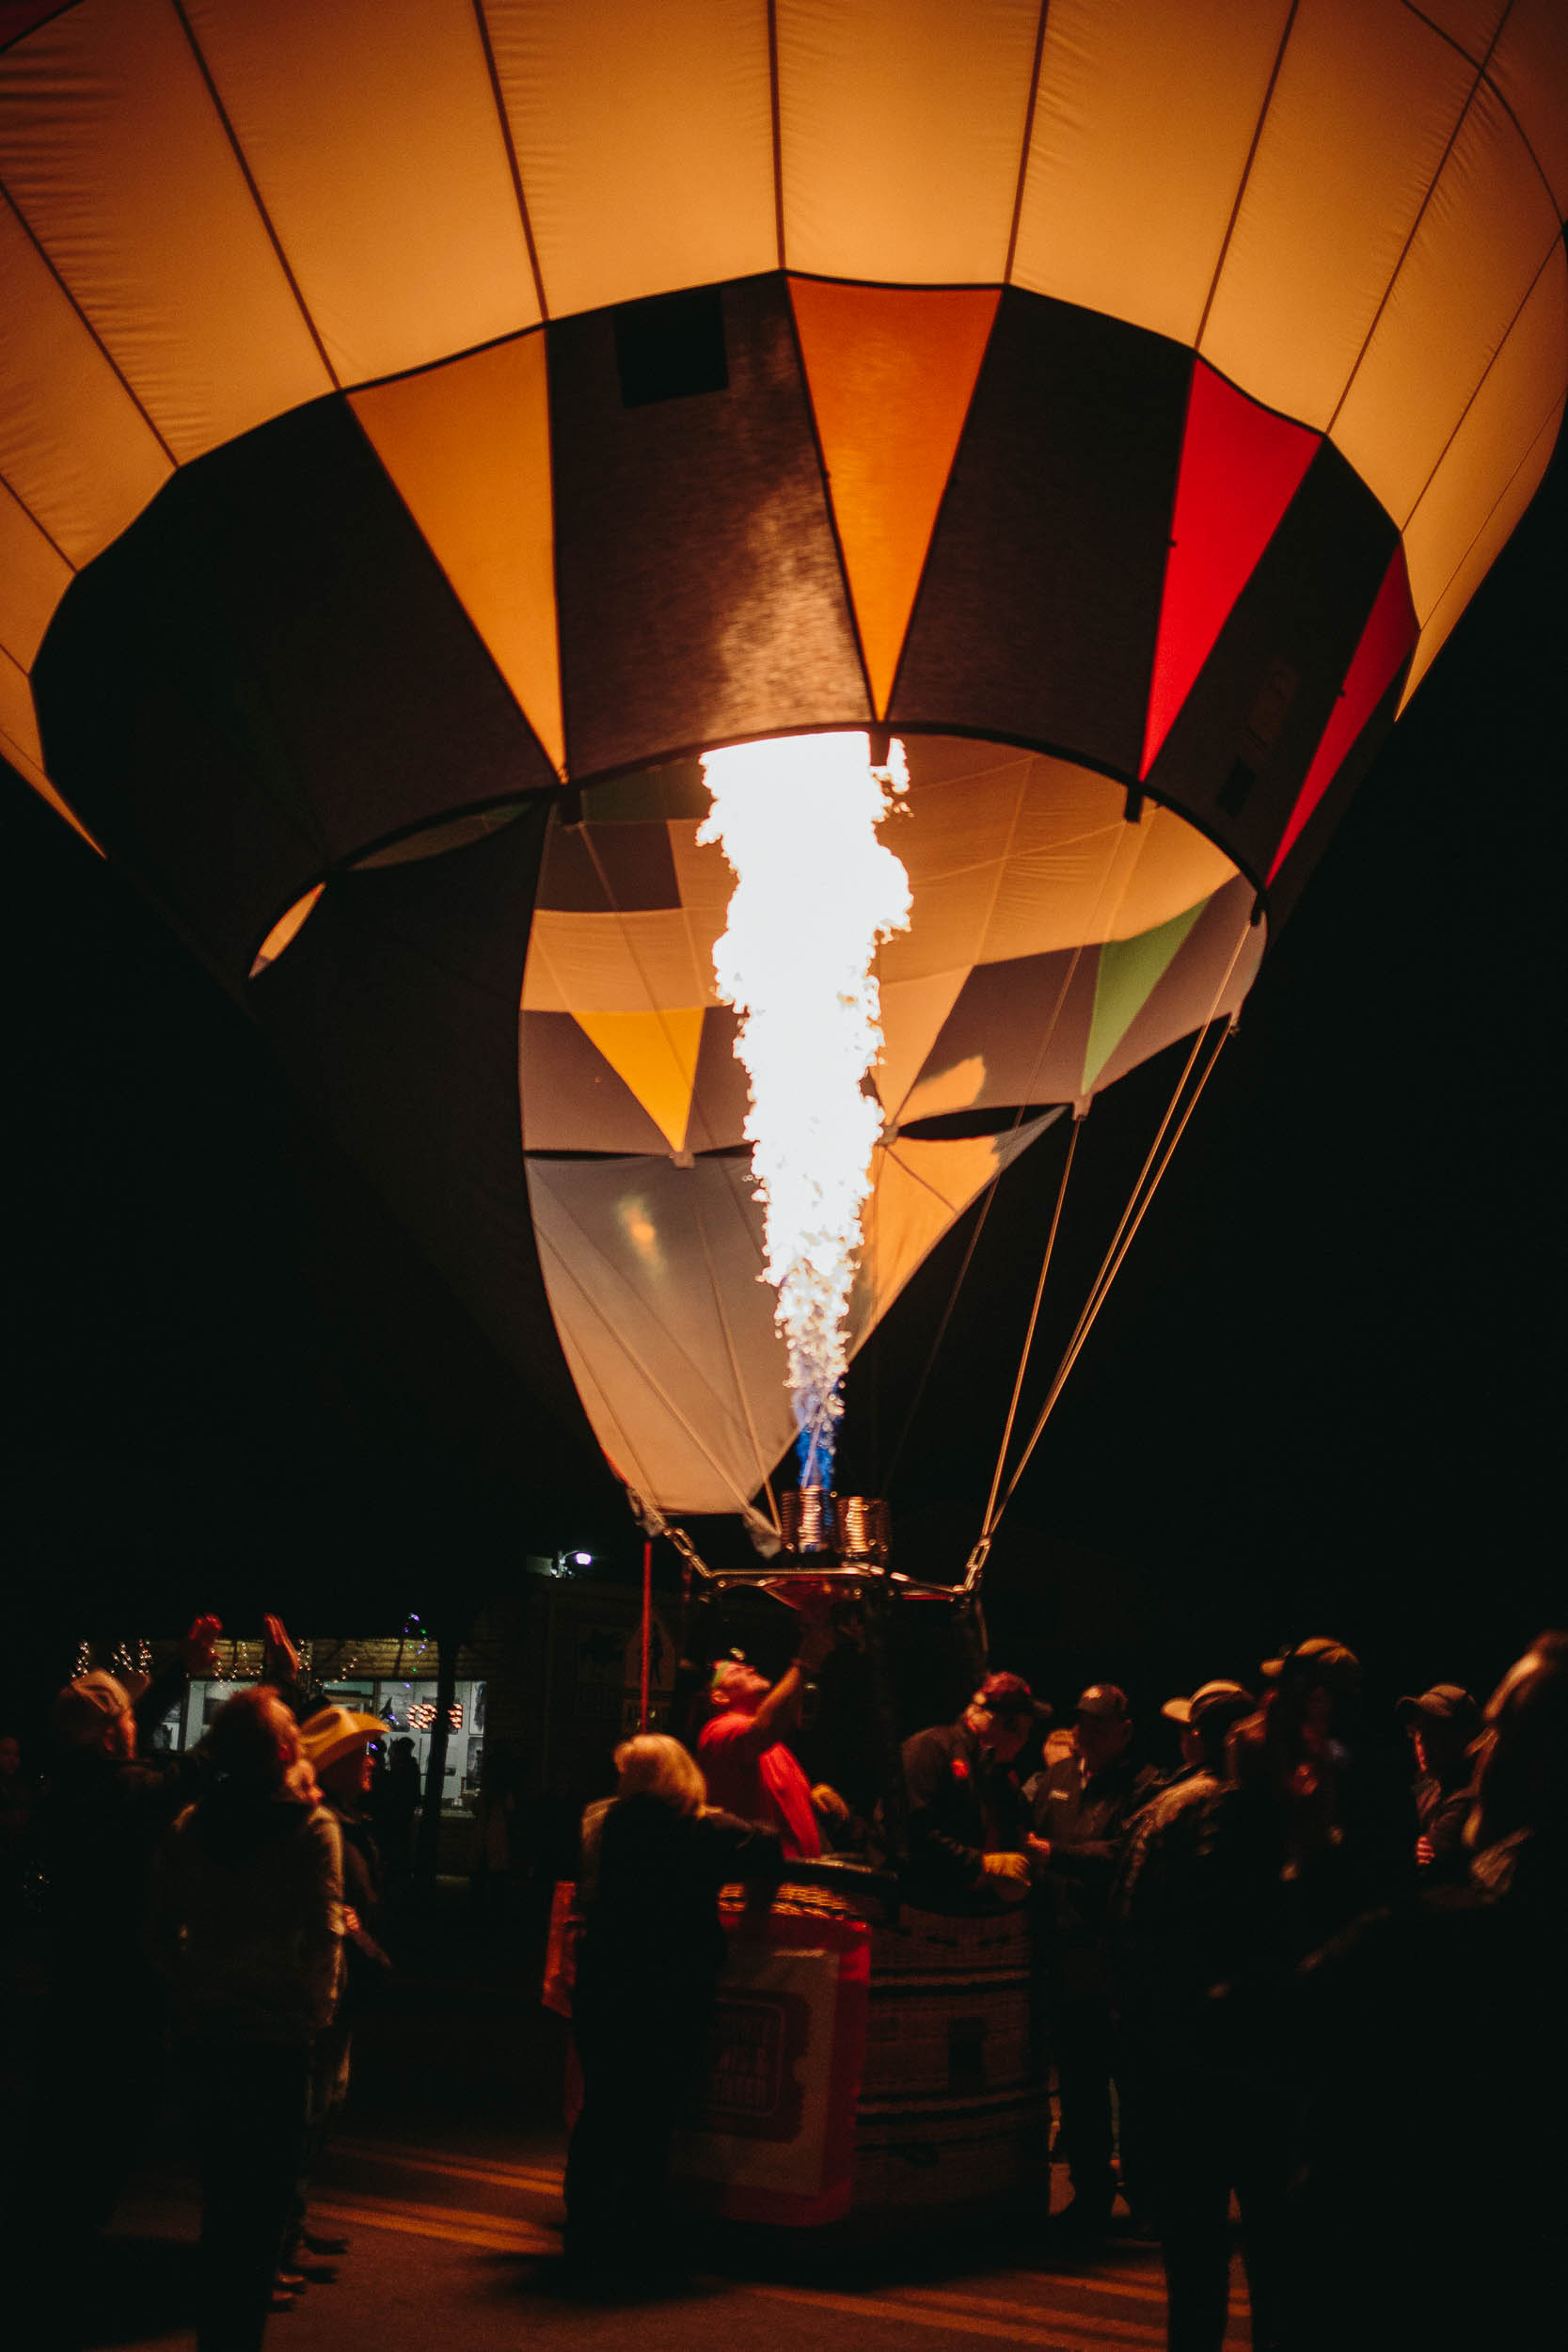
371 134
74 447
749 633
1529 70
652 1272
17 720
469 447
644 140
34 576
1240 747
656 1054
1057 515
1362 112
625 1263
1241 466
1484 548
891 373
573 1101
901 132
1208 977
1142 123
1128 972
112 148
1385 643
923 1187
1497 430
1474 257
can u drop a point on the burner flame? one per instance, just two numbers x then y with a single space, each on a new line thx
816 893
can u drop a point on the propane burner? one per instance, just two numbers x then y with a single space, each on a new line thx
844 1530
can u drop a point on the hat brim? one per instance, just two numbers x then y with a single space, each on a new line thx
345 1739
1178 1710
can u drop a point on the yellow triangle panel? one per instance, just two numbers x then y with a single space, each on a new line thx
656 1055
890 371
469 447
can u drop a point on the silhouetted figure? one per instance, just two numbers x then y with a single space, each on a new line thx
495 1827
335 1742
1432 2038
247 1922
647 1971
1442 1724
398 1795
104 1808
1161 1959
18 1805
1253 1875
967 1819
1081 1807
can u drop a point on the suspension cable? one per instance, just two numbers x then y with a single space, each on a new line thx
1110 1266
1132 1217
1033 1318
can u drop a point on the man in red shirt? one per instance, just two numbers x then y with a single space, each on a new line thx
749 1770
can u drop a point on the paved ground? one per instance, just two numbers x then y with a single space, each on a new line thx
447 2179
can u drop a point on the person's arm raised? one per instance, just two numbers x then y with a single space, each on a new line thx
774 1714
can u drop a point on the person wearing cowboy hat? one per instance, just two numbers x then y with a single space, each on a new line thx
336 1741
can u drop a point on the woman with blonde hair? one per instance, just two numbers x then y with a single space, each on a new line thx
647 1973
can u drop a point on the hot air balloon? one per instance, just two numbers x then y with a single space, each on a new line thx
427 430
430 430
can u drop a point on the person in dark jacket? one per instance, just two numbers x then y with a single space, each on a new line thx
1244 1880
647 1973
1160 1950
1442 1725
1081 1806
247 1922
106 1806
967 1821
1430 2036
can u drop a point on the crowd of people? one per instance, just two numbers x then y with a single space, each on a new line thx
211 1928
1273 1972
1269 1970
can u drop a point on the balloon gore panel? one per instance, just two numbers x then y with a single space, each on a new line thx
701 595
1037 616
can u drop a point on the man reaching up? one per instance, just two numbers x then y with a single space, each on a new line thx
749 1768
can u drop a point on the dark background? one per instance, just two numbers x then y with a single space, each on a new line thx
1324 1394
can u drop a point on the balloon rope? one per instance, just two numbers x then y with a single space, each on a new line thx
1121 1240
1047 1033
1033 1318
1108 1272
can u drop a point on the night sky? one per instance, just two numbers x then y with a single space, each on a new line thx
1325 1394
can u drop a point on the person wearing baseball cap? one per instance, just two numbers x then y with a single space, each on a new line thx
1443 1724
1204 1721
1082 1805
968 1823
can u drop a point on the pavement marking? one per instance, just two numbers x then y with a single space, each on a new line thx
427 2160
1086 2335
489 2229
